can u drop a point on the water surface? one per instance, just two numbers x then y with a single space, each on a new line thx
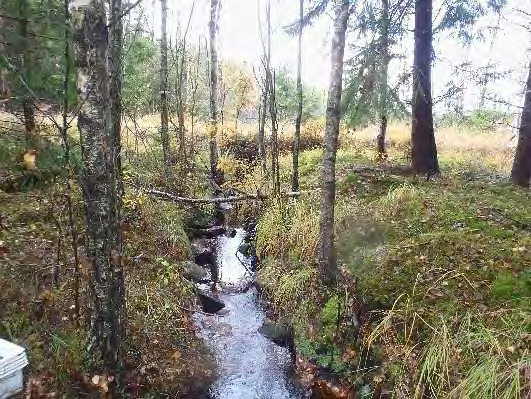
250 366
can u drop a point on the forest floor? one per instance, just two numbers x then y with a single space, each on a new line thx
163 353
434 293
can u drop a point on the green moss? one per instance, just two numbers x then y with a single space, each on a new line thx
506 286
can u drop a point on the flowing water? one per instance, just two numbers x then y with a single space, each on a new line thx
250 366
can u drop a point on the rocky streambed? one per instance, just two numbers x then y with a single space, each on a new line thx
256 357
249 364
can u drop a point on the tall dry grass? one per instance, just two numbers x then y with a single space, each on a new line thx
458 146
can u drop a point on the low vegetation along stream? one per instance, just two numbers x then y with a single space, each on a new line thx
250 365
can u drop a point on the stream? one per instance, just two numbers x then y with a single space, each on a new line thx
249 365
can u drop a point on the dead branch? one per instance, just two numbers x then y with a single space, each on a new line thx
235 198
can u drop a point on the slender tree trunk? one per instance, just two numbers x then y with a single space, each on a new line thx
115 67
384 73
521 173
99 178
27 100
275 168
66 158
194 86
164 131
117 292
423 147
298 120
238 111
327 256
214 93
222 98
270 76
181 92
262 117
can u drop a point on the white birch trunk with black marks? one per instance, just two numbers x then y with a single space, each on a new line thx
99 179
326 255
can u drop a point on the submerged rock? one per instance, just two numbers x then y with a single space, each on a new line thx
244 248
203 252
225 206
211 232
209 303
193 272
280 333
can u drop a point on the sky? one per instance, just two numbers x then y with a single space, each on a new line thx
239 40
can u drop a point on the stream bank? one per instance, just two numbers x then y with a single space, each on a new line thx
256 357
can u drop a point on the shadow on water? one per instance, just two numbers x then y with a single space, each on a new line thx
250 366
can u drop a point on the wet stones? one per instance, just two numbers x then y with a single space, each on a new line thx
209 232
193 272
210 304
203 252
280 333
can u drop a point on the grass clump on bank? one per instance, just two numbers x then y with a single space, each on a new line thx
434 290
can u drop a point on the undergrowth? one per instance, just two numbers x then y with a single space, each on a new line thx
434 290
162 352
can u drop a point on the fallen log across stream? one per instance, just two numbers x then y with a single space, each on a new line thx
217 200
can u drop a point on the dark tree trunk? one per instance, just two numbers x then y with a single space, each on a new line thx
29 122
298 120
27 101
214 91
521 172
115 67
117 292
327 257
164 131
99 178
423 147
66 156
384 73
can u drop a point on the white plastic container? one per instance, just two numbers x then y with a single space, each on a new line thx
12 360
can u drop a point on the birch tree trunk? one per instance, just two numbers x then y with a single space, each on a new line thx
262 117
521 172
271 84
423 147
99 180
164 131
214 90
275 167
181 78
298 120
327 256
384 77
